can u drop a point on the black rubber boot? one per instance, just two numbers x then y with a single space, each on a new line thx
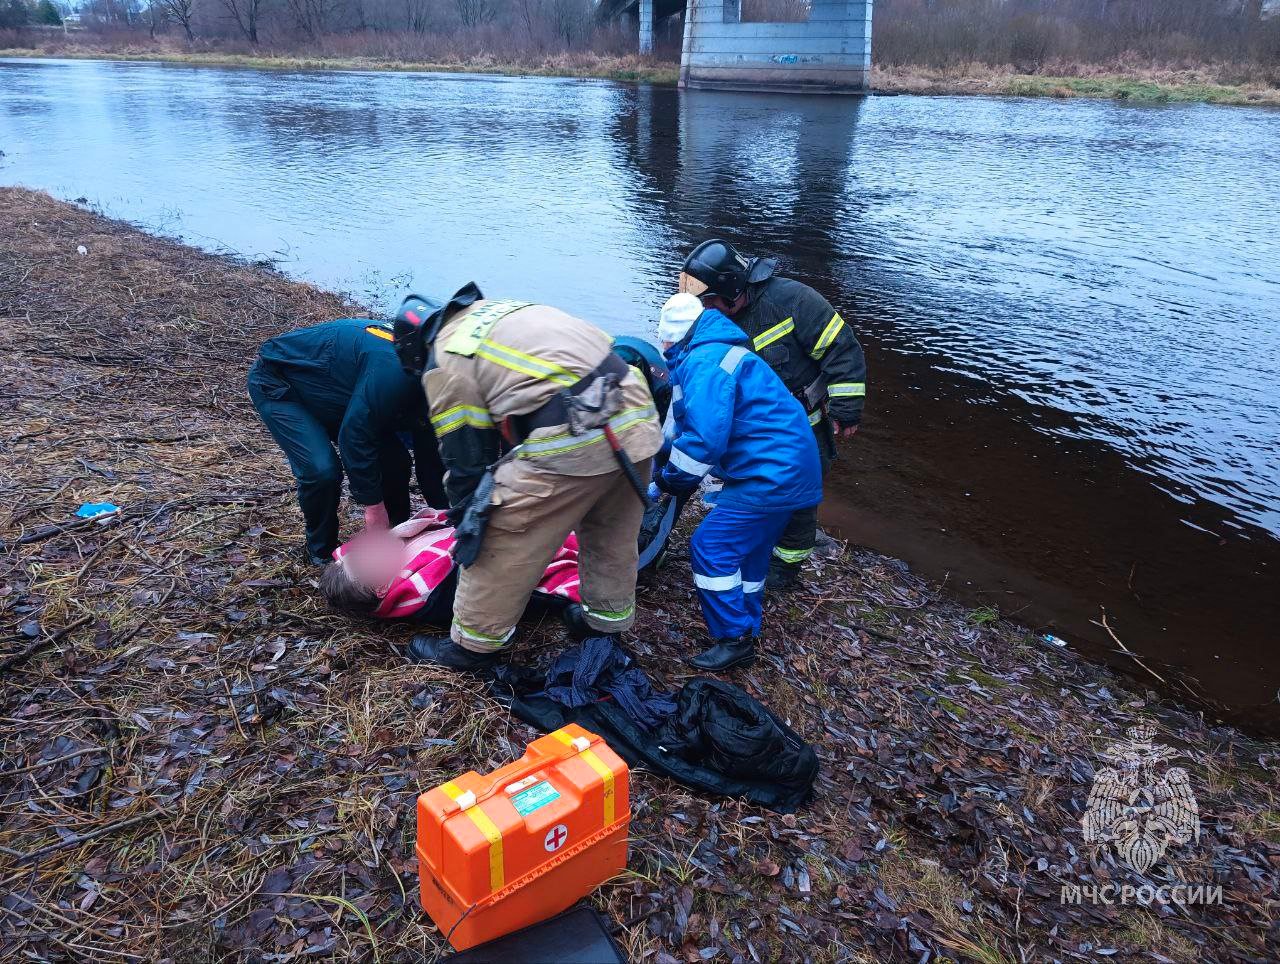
443 651
783 576
576 625
726 654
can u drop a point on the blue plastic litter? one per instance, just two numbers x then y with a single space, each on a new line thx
91 509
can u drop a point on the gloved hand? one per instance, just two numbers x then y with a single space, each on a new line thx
375 518
654 492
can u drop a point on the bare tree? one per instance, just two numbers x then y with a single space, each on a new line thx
247 14
180 12
473 13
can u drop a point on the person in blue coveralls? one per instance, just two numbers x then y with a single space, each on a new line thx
732 415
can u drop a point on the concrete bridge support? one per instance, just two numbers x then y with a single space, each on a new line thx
831 53
645 14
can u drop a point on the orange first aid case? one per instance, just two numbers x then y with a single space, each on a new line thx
500 852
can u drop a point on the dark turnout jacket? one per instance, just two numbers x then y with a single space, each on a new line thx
347 375
804 339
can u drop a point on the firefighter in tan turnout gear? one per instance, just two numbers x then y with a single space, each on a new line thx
543 431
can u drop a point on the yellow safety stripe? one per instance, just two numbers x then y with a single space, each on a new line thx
613 616
497 866
458 416
525 364
379 331
566 442
597 764
475 327
792 555
479 637
846 389
770 335
815 416
827 337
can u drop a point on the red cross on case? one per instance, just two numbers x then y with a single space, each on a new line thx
555 838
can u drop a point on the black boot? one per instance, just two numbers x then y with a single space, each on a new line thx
783 576
726 654
576 625
443 651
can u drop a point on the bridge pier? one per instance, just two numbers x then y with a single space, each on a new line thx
831 53
645 14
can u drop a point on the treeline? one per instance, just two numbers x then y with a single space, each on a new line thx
1031 35
400 29
16 14
1237 37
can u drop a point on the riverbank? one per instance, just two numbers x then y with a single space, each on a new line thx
1129 82
200 761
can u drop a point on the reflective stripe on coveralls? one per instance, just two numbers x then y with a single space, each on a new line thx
568 442
827 337
847 390
484 639
770 335
458 416
792 555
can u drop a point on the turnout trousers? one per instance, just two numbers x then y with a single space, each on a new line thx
533 512
797 540
308 444
730 553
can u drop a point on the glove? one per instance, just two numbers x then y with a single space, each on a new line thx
654 492
375 517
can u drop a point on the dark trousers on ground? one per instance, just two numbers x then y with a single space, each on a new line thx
795 545
729 553
309 446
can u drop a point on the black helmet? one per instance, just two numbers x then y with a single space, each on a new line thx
719 267
419 321
720 270
412 346
646 357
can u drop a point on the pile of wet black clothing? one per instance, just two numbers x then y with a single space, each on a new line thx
711 736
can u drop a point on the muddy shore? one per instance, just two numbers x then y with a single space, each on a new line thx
199 762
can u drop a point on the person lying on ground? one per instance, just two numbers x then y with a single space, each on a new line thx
335 399
734 416
408 572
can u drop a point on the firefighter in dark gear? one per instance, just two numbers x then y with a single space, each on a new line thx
804 340
539 420
336 400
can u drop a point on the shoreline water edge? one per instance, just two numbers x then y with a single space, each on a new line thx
1137 85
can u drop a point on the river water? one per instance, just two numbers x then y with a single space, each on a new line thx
1071 309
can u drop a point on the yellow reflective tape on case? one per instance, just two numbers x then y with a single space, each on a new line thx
606 775
379 331
497 868
827 337
846 389
770 335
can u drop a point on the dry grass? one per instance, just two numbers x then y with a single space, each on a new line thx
198 762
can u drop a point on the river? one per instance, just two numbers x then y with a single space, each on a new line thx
1071 309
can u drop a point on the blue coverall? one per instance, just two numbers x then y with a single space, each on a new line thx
734 415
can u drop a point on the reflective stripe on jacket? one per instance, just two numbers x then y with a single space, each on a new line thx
802 337
733 414
499 359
